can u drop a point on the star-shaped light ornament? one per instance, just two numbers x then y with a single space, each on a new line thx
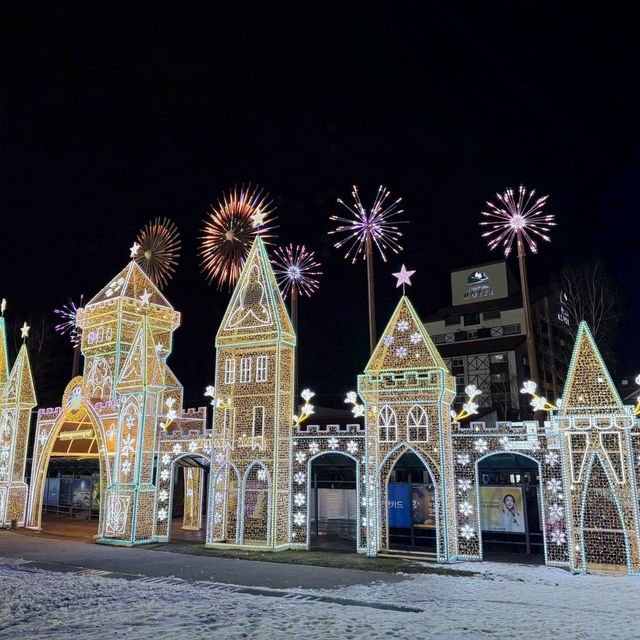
135 247
258 217
145 298
24 331
403 277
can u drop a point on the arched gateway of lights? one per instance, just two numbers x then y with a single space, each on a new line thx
126 411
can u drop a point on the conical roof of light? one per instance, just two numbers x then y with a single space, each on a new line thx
405 344
588 387
20 389
256 312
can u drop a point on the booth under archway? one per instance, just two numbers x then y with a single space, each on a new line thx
510 507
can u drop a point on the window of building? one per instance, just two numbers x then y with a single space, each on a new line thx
228 427
387 425
510 329
417 424
258 426
440 338
451 320
471 318
229 371
261 369
245 370
491 315
497 357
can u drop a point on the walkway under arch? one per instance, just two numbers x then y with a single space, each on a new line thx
76 436
333 501
510 507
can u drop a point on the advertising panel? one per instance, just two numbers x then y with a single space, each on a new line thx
479 284
501 509
399 505
423 509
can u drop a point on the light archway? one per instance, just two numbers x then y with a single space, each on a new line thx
347 506
428 503
194 502
601 541
225 514
77 432
256 505
525 530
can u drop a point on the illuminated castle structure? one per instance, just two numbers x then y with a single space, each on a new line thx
126 411
249 494
17 399
115 411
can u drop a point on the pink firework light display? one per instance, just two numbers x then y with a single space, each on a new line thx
524 220
69 326
365 229
296 270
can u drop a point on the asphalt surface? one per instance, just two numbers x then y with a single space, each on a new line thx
146 562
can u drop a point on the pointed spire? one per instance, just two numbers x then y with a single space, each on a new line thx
404 344
256 311
4 359
143 368
20 388
132 282
588 384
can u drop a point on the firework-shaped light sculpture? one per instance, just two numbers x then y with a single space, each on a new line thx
229 231
69 326
296 270
521 219
366 228
158 250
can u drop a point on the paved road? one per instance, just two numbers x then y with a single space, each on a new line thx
188 567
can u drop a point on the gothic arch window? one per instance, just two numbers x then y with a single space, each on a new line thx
417 424
387 424
99 381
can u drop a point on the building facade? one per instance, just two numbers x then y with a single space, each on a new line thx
482 337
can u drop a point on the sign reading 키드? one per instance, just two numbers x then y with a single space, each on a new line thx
399 505
477 284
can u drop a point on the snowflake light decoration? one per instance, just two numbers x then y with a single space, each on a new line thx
467 532
517 218
230 229
296 266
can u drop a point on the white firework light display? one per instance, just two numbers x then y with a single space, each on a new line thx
521 219
366 228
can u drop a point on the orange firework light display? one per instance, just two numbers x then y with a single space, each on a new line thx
159 250
230 229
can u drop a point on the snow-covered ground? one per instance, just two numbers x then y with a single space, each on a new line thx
504 601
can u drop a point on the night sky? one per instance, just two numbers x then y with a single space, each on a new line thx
112 115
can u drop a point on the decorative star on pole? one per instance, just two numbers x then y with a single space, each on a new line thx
258 217
135 247
404 277
24 331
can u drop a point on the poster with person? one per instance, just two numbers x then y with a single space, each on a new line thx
501 509
423 510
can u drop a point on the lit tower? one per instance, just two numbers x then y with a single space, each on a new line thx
126 337
596 513
17 399
250 471
407 392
